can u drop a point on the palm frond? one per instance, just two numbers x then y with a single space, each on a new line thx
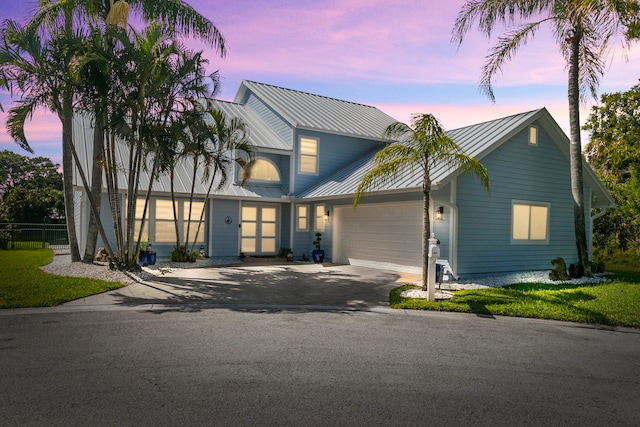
502 52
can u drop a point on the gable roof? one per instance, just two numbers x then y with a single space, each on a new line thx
260 135
477 141
314 112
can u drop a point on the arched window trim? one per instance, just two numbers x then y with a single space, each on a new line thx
275 167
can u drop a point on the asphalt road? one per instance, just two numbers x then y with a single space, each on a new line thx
187 366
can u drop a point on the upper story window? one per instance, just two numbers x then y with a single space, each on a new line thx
533 135
530 222
308 155
264 170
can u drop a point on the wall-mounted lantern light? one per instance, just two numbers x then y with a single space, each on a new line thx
327 216
439 213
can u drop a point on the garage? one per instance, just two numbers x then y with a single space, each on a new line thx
385 236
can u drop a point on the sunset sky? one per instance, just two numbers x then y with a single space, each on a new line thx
395 55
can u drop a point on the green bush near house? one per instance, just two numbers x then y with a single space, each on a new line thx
24 284
613 303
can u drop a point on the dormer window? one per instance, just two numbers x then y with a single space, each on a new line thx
533 135
308 156
264 170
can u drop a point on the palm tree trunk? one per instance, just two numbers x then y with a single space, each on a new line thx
193 187
425 240
213 178
67 177
575 153
175 212
96 187
111 170
426 227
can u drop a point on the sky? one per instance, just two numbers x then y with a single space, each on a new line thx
395 55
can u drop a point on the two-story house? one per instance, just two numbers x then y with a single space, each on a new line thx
312 152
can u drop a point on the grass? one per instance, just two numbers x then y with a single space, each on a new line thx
23 284
613 303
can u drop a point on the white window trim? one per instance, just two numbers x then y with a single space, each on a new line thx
318 218
308 217
529 241
317 156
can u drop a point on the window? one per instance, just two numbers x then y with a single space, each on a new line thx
196 210
533 135
264 170
302 223
139 209
530 222
159 224
319 218
308 156
165 226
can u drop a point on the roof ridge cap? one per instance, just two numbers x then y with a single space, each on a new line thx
311 94
499 118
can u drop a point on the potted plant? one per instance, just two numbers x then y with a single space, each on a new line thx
146 256
317 254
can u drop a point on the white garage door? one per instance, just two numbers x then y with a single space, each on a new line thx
385 236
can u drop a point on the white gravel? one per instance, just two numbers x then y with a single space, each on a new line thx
495 282
62 265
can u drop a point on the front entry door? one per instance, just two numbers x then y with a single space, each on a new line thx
259 227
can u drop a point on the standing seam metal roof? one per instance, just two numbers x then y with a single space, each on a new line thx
306 110
260 135
475 140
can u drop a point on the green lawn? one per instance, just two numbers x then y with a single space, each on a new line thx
23 284
614 303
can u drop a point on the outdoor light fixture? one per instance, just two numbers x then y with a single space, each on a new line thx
326 216
201 251
439 213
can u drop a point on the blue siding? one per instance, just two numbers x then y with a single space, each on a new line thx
225 236
285 225
271 118
518 171
303 240
334 153
107 221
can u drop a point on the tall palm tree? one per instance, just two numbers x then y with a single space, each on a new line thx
582 30
157 82
177 14
42 72
423 145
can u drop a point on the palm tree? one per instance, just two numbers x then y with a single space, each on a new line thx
422 145
41 71
177 14
583 30
225 144
157 82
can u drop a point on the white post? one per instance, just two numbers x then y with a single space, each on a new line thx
434 253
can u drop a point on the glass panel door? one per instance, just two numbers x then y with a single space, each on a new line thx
259 230
268 230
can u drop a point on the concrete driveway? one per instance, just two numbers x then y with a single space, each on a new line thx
283 284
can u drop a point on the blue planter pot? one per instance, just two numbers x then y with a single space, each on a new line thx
318 256
143 258
146 258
